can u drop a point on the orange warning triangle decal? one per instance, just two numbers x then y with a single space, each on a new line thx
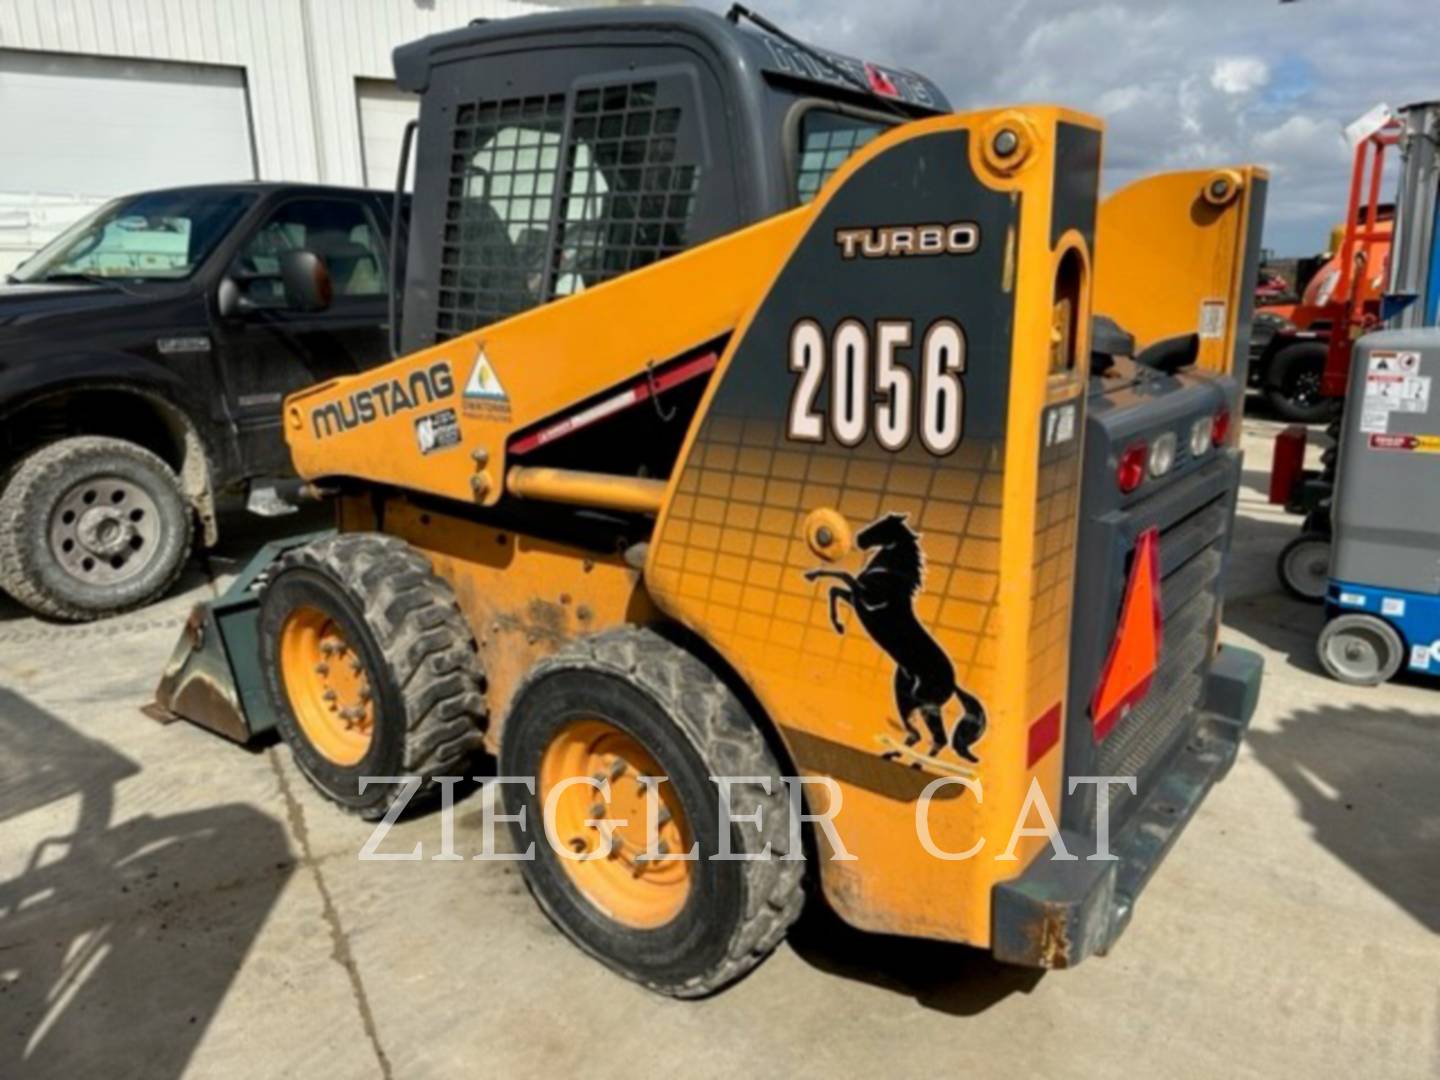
1135 652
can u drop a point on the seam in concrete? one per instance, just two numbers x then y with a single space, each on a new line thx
339 940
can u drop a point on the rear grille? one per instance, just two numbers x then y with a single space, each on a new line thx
1191 555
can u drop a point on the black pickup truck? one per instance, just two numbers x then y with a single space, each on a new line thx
144 354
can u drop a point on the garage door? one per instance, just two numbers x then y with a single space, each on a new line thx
384 111
77 129
97 125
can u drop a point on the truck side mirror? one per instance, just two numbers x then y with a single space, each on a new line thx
306 281
231 301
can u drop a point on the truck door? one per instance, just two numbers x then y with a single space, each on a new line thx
271 350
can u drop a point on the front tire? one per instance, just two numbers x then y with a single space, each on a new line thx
91 527
616 706
371 669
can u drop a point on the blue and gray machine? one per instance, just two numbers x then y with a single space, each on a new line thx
1383 603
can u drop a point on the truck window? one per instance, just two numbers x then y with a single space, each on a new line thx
162 235
827 139
546 202
338 230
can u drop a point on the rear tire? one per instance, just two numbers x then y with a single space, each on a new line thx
1292 383
90 527
649 692
1304 567
1361 650
371 669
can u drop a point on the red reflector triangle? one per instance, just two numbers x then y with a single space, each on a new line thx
1136 650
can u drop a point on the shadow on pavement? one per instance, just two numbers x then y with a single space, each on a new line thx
1365 781
118 940
951 979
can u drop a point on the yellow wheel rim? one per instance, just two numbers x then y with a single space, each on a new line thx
327 685
610 826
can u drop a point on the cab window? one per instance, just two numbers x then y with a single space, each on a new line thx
827 139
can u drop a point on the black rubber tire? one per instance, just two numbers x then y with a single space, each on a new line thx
1293 559
1381 647
695 727
1292 370
30 571
417 648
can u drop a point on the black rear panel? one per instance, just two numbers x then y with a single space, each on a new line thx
1192 509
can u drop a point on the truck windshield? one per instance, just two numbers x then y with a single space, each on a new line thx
827 139
159 236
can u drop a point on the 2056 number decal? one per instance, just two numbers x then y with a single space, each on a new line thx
870 391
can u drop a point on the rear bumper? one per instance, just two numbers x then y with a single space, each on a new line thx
1057 913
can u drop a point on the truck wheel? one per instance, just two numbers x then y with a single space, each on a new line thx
1304 566
90 527
613 708
371 669
1292 383
1361 650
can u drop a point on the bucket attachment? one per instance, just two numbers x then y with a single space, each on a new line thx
214 678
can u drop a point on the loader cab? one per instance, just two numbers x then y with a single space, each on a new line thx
558 151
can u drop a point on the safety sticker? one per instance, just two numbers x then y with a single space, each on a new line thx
437 431
1352 599
1420 657
484 383
1060 425
1393 384
484 395
1392 605
1212 319
1418 444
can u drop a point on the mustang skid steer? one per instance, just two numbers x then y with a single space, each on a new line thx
747 425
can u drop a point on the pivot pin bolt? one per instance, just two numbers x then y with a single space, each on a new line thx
1006 142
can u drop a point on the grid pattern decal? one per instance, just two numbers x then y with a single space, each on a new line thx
629 197
734 544
1053 573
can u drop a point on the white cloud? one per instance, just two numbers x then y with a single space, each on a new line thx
1179 83
1239 74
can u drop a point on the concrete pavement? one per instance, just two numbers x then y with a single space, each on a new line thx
171 905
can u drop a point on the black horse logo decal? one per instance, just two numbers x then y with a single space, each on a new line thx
883 596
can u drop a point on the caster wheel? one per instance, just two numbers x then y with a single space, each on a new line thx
1361 650
1304 567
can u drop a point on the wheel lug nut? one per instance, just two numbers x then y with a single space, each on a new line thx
597 811
617 767
322 668
330 695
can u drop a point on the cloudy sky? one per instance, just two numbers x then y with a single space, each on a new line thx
1180 83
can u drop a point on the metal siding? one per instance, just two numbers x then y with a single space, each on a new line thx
350 39
301 88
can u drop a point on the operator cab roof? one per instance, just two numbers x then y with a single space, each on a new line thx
747 51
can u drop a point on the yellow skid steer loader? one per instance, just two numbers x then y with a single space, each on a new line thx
749 422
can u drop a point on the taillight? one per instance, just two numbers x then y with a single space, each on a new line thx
1200 436
1162 454
1220 427
1131 470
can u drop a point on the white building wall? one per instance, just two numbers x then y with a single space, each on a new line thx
301 59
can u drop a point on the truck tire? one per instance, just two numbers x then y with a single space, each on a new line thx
1292 383
628 703
371 670
1361 650
1303 566
91 526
